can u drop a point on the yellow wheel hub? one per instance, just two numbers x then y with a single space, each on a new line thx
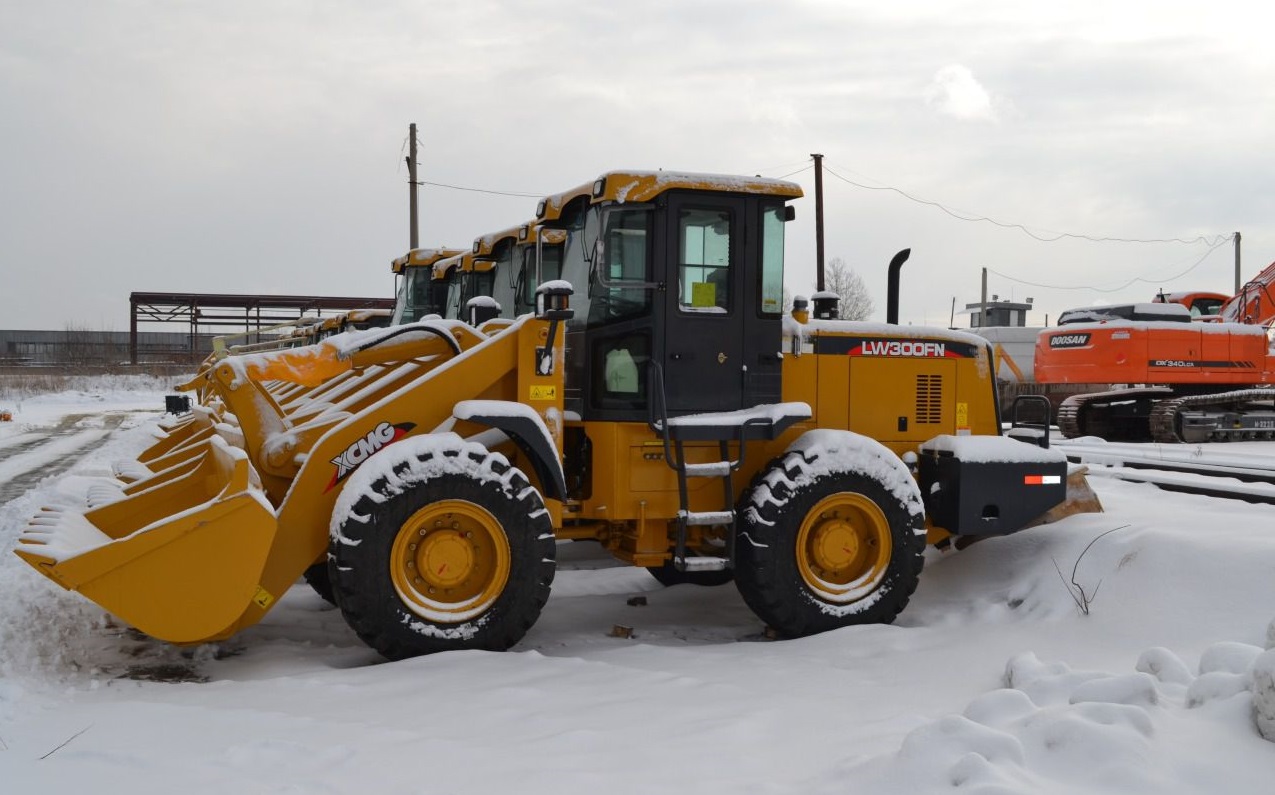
844 547
450 561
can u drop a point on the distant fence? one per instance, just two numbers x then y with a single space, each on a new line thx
24 350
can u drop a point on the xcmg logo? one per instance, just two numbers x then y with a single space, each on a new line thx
1068 340
361 450
927 350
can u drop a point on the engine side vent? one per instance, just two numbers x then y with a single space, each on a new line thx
929 399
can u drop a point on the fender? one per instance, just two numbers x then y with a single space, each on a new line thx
525 428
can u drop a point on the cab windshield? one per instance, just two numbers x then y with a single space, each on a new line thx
413 300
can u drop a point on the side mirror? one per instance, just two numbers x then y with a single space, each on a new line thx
790 213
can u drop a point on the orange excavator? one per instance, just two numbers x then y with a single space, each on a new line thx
1202 304
1183 381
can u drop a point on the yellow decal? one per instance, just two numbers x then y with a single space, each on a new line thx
703 294
544 393
262 598
962 415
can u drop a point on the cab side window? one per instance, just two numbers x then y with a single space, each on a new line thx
704 258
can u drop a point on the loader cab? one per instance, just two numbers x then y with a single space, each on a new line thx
475 279
447 286
523 258
502 250
679 293
416 294
539 260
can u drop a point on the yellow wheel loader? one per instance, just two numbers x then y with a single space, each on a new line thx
419 292
522 257
658 401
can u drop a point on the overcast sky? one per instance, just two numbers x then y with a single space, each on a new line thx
257 147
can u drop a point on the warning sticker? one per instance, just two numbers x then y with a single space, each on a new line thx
549 392
262 598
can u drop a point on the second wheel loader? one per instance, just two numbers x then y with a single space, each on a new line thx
658 401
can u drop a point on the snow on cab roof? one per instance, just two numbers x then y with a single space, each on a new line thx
640 186
422 257
444 266
484 244
1147 311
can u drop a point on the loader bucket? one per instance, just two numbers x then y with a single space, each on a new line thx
180 558
195 428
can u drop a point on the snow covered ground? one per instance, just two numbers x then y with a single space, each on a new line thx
992 681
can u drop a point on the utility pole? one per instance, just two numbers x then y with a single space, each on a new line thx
413 233
1237 263
982 311
818 222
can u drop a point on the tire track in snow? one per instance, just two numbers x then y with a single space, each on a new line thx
24 465
30 440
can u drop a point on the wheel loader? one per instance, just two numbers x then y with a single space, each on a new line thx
419 292
658 401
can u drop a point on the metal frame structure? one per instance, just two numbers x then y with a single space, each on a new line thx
247 312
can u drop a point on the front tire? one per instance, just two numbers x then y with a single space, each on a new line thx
452 549
317 578
820 549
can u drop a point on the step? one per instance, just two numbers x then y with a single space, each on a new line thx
702 564
710 469
699 518
760 422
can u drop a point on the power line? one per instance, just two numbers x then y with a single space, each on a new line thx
1134 280
783 166
807 167
1211 241
482 190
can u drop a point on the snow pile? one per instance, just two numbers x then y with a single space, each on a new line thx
1055 729
1263 684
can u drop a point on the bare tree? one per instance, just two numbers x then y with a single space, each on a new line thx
855 303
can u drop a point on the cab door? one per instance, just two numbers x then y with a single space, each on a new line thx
703 338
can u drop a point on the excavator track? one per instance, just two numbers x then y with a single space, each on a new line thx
1219 417
1091 415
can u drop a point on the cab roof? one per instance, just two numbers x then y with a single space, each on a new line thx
445 265
422 258
485 245
642 186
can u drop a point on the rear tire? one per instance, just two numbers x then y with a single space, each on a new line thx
820 551
451 550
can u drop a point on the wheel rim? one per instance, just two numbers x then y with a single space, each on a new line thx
844 547
450 561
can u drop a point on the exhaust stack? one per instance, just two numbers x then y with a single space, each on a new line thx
892 286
